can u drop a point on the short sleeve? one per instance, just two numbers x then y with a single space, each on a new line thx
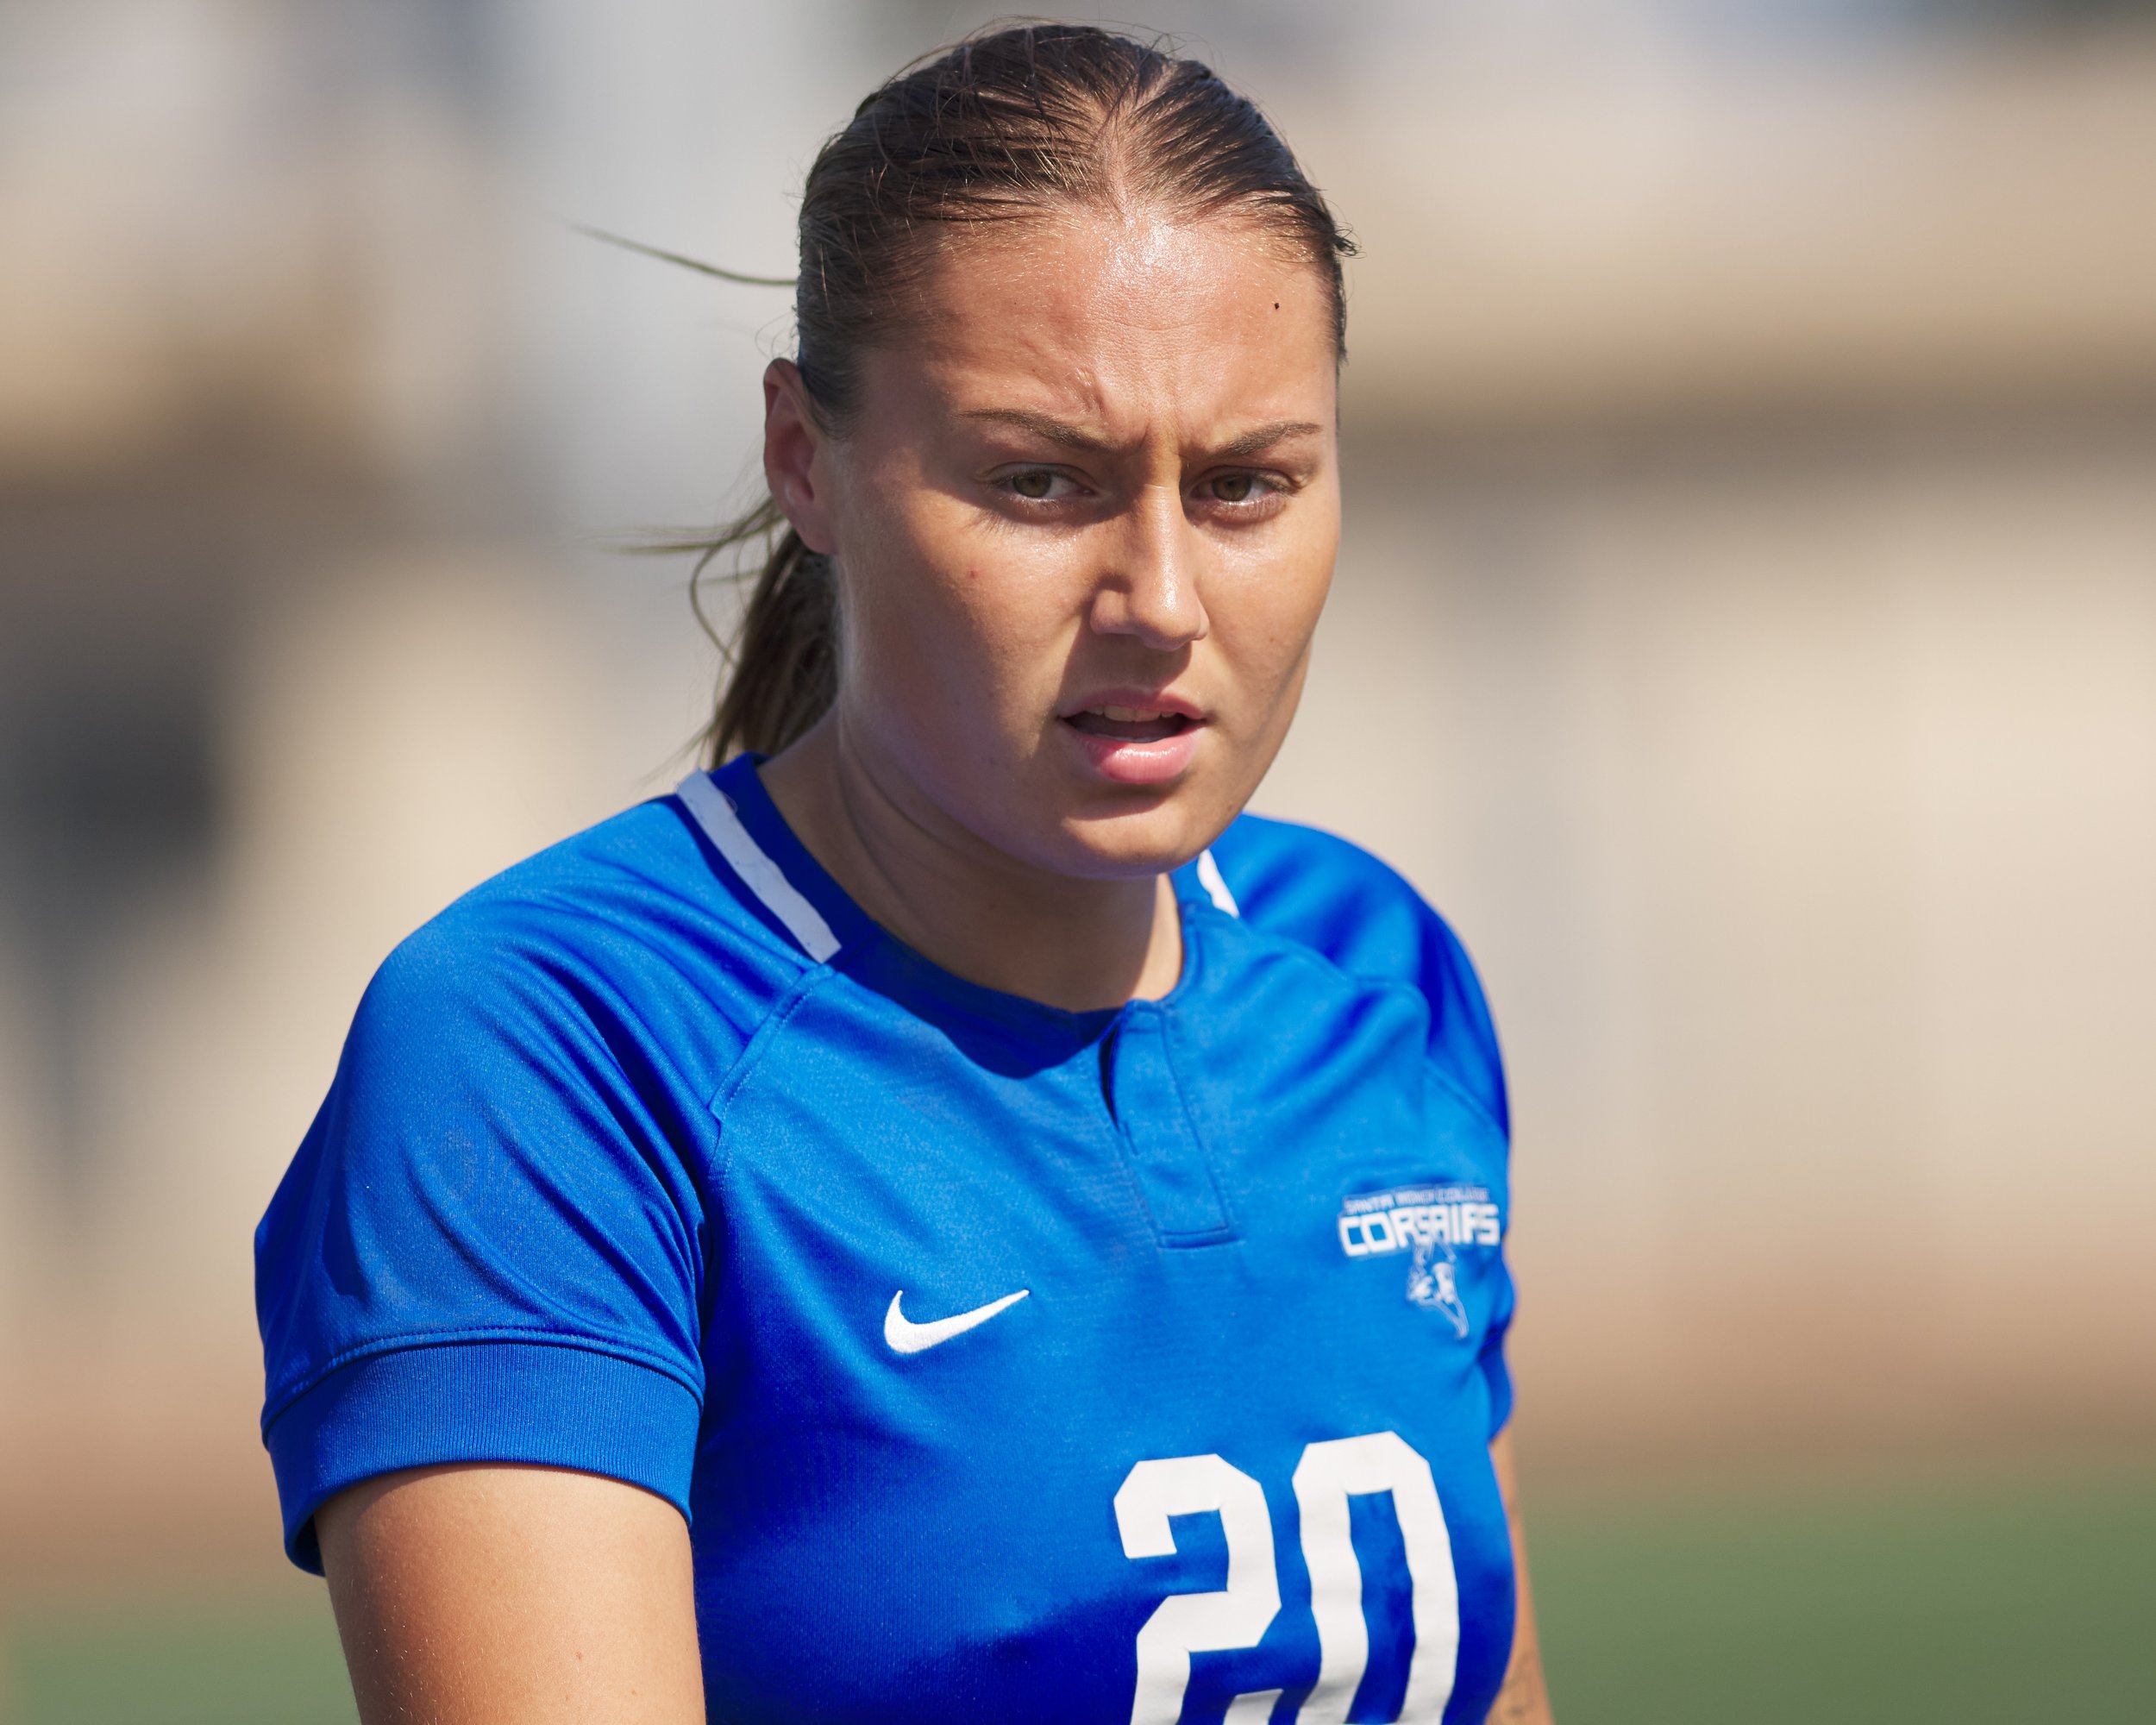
1463 1039
1343 902
1496 1374
490 1246
1463 1044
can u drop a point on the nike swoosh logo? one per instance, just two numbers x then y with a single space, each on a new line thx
904 1336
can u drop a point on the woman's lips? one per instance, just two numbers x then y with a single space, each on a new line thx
1131 724
1134 744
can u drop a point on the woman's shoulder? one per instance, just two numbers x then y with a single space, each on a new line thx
1319 888
1306 885
629 919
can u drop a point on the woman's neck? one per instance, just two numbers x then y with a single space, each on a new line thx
1071 942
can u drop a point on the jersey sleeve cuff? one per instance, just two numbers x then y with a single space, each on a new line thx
534 1403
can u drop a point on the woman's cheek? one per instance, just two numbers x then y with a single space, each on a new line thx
1264 635
1017 617
973 666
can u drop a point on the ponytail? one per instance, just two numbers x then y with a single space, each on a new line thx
781 658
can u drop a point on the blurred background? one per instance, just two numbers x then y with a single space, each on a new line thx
1746 633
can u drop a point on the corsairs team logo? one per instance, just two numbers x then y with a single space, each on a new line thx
1430 1223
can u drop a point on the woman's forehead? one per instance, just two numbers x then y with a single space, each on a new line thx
1083 310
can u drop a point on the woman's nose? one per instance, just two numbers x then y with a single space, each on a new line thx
1149 589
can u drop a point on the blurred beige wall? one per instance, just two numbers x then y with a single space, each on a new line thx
1797 795
1962 223
1746 633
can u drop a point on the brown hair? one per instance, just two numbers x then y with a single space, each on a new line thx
1008 120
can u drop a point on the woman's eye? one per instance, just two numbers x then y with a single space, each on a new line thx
1036 484
1238 488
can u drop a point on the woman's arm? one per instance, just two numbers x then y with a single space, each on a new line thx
513 1595
1524 1700
495 1595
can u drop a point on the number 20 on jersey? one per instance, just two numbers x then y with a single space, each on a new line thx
1237 1615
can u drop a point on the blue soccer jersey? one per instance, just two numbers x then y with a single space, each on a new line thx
1009 1363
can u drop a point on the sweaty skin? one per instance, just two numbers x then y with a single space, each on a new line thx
1084 521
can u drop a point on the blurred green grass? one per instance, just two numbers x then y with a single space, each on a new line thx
2021 1599
2013 1599
251 1657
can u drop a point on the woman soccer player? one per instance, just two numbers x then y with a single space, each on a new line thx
943 1219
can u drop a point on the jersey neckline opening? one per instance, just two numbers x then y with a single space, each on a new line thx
832 910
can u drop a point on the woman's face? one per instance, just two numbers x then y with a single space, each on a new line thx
1084 520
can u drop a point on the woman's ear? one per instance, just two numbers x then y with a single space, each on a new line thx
796 463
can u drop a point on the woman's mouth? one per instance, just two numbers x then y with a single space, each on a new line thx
1129 724
1134 743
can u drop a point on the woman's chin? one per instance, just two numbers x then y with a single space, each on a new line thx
1132 836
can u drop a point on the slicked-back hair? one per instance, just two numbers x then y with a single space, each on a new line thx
1018 121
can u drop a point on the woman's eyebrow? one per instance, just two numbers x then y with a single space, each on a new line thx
1258 441
1254 442
1041 426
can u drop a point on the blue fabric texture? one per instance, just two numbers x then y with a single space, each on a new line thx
614 1176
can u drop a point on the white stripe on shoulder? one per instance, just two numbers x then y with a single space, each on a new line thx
1216 888
715 813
